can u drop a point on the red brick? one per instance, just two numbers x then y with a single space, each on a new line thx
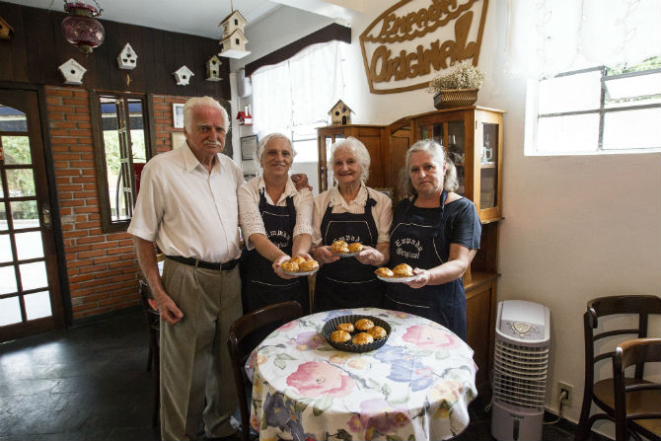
59 92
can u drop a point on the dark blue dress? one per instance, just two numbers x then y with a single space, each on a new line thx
347 283
421 237
260 285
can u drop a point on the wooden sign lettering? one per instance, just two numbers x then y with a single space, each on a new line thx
407 44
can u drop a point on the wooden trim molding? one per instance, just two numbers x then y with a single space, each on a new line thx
331 32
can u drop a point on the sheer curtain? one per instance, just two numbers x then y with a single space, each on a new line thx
299 91
546 37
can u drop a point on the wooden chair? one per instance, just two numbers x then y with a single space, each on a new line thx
637 406
153 320
240 347
596 352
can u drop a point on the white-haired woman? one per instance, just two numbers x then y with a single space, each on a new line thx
350 212
276 220
437 232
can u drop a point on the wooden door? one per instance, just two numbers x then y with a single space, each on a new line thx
30 297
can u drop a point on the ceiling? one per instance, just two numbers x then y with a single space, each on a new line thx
195 17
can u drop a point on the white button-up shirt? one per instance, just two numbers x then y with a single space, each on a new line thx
251 219
382 211
188 211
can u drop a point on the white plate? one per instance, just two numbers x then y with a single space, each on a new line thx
346 254
299 273
397 279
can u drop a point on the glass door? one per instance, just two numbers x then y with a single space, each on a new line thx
489 166
30 299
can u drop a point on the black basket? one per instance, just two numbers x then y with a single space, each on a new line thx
331 326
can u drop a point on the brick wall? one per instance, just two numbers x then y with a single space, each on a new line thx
102 268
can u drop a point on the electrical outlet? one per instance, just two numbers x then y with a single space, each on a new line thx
567 402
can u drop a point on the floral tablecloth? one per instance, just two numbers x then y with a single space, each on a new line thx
416 387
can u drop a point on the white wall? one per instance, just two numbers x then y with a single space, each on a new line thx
575 227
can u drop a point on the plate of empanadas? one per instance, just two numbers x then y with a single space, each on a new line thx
400 274
344 249
356 333
299 266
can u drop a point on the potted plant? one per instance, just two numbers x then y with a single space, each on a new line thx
456 86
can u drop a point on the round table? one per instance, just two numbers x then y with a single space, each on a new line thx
417 386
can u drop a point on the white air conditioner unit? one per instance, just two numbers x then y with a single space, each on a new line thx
521 361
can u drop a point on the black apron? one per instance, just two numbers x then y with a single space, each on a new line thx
417 237
261 286
347 283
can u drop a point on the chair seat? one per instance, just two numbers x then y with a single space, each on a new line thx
637 402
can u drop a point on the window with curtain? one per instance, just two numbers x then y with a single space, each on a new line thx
294 97
594 69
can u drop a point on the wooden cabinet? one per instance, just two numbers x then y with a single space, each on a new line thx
473 139
371 136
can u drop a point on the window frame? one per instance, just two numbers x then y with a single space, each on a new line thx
601 111
107 224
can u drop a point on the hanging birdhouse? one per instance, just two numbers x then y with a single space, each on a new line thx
234 46
127 58
213 69
340 114
73 72
6 31
233 22
245 118
183 75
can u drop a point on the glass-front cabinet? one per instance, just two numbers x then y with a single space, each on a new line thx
472 139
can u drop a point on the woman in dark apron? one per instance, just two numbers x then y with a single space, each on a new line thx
436 232
350 212
275 230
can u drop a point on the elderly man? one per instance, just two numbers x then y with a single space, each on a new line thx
188 205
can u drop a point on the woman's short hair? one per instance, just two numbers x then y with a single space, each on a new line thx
450 182
360 152
268 138
204 101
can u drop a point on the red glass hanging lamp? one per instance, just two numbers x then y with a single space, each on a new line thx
80 28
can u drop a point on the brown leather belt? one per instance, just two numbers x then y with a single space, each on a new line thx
206 265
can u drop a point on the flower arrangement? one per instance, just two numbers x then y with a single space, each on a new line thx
462 75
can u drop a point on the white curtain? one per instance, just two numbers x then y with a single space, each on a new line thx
546 37
298 91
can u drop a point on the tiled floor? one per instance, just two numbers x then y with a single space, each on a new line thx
90 383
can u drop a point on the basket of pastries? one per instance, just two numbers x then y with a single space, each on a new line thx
356 333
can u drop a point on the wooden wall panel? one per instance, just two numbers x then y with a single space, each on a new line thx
38 48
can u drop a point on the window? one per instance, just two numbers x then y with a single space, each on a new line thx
597 110
294 97
122 147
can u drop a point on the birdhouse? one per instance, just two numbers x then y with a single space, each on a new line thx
127 58
72 72
340 114
6 31
213 69
245 118
233 22
183 75
234 46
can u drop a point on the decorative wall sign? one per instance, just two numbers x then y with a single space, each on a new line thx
407 44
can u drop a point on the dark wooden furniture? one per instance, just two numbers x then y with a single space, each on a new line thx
240 346
597 350
467 133
637 406
153 319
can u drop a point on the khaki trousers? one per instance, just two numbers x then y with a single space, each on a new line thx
195 361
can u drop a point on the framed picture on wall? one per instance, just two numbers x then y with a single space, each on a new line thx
248 147
178 115
178 139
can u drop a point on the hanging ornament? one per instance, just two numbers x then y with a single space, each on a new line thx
80 28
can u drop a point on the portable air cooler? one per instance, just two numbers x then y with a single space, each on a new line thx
520 370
